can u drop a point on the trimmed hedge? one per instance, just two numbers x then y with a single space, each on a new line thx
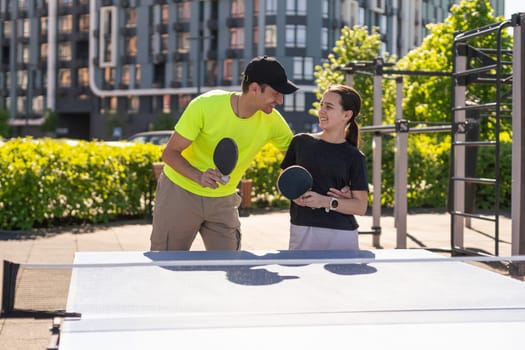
48 182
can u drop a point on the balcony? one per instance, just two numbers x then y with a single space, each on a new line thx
235 22
181 26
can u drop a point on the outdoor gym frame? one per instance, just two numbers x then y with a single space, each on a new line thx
462 75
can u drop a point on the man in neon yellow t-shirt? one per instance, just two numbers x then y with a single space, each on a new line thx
191 197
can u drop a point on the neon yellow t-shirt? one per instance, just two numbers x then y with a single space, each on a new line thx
207 119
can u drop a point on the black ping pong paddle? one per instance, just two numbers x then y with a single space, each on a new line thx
294 181
225 157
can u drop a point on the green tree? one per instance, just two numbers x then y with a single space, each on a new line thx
430 98
50 123
354 44
165 121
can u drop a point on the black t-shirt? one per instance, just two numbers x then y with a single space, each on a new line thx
331 165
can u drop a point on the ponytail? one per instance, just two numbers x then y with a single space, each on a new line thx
352 133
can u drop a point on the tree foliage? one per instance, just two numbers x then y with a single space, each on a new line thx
354 45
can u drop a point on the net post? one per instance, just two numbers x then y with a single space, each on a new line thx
8 287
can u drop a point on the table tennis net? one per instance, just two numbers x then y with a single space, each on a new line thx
32 292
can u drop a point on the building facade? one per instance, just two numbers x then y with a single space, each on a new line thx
111 68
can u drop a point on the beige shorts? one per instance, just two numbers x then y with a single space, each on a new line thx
178 216
320 238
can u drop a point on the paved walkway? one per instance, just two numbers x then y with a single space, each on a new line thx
261 231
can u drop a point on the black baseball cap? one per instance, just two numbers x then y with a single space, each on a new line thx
267 70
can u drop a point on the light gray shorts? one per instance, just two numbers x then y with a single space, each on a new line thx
320 238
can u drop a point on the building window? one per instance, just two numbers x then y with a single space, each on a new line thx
138 74
21 105
131 46
184 11
113 104
166 103
295 36
64 77
26 27
183 42
7 29
83 23
164 14
164 43
38 104
350 12
270 36
271 7
324 9
64 51
324 38
22 79
108 36
237 8
237 38
211 72
178 72
83 76
228 67
65 24
133 104
131 17
23 5
303 68
43 26
109 76
294 102
126 74
296 7
25 54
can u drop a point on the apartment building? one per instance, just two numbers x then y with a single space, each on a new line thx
110 68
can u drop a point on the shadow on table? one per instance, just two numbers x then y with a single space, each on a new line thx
258 273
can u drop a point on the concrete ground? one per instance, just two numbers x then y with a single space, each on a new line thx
261 231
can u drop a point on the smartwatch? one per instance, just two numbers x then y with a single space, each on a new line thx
333 204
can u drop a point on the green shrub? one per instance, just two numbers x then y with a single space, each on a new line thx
49 182
46 181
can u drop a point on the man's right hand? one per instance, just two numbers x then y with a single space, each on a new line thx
211 178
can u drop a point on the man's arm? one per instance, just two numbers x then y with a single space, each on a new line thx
172 156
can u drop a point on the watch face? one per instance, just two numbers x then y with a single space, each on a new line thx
334 203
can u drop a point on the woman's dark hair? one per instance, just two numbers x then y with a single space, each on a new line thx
350 100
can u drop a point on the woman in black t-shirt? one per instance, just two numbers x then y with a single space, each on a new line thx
323 218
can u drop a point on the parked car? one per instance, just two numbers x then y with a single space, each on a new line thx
158 137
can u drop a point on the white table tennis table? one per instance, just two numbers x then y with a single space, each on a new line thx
380 302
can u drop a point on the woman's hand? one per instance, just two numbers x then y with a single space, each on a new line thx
340 194
313 200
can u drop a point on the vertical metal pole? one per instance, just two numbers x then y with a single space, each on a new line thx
261 23
8 287
518 143
459 150
199 46
401 171
377 150
52 52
